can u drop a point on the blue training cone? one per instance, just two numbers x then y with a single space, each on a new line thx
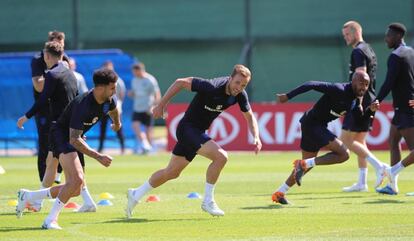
105 203
194 195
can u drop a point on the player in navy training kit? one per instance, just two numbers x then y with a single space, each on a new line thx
338 99
400 81
78 117
363 58
212 98
39 67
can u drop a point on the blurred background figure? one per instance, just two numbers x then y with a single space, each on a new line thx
82 87
145 94
120 94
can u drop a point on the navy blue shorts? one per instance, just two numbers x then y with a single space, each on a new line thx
189 140
143 117
403 120
59 143
351 124
315 136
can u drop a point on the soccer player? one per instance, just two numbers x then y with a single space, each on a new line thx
78 117
39 67
363 58
60 87
400 81
213 97
145 94
338 99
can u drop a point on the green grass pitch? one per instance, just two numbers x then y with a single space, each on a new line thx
320 211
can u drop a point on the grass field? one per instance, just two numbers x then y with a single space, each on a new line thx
320 211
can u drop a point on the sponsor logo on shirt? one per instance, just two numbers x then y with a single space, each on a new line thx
217 109
338 114
94 120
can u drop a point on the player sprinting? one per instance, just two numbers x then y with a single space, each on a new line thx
338 99
213 97
66 136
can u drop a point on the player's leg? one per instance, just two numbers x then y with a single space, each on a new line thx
88 204
102 132
121 138
72 187
279 195
172 171
395 147
219 157
348 137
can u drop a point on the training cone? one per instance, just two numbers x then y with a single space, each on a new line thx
409 194
105 203
106 196
194 195
12 203
153 198
72 205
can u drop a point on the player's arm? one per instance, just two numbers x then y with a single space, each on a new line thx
116 119
254 129
319 86
174 89
38 83
50 86
391 77
76 140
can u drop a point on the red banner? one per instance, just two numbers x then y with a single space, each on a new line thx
278 125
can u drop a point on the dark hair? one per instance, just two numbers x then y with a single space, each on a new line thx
54 48
398 27
104 76
138 65
53 35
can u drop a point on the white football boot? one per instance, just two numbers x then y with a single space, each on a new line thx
212 208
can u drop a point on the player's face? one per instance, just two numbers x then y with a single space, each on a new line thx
348 36
109 90
390 39
237 84
360 86
138 72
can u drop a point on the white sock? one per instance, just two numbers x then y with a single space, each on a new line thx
374 162
58 176
397 168
209 193
54 212
283 188
363 173
86 196
39 194
142 190
310 162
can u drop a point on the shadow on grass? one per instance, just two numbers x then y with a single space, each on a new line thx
385 201
272 206
144 220
15 229
327 198
8 214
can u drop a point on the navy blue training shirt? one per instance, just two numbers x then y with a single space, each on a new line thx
400 78
83 112
211 99
338 99
59 89
364 56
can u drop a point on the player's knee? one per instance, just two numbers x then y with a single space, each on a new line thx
222 156
344 155
172 174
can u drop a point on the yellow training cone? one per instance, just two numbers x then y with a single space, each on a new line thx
12 203
106 195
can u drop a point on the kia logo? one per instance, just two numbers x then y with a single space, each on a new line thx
223 130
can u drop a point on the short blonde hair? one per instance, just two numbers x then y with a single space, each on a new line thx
354 26
242 70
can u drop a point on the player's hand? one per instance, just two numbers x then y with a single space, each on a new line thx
158 112
105 160
21 121
116 127
411 103
281 98
258 143
374 106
